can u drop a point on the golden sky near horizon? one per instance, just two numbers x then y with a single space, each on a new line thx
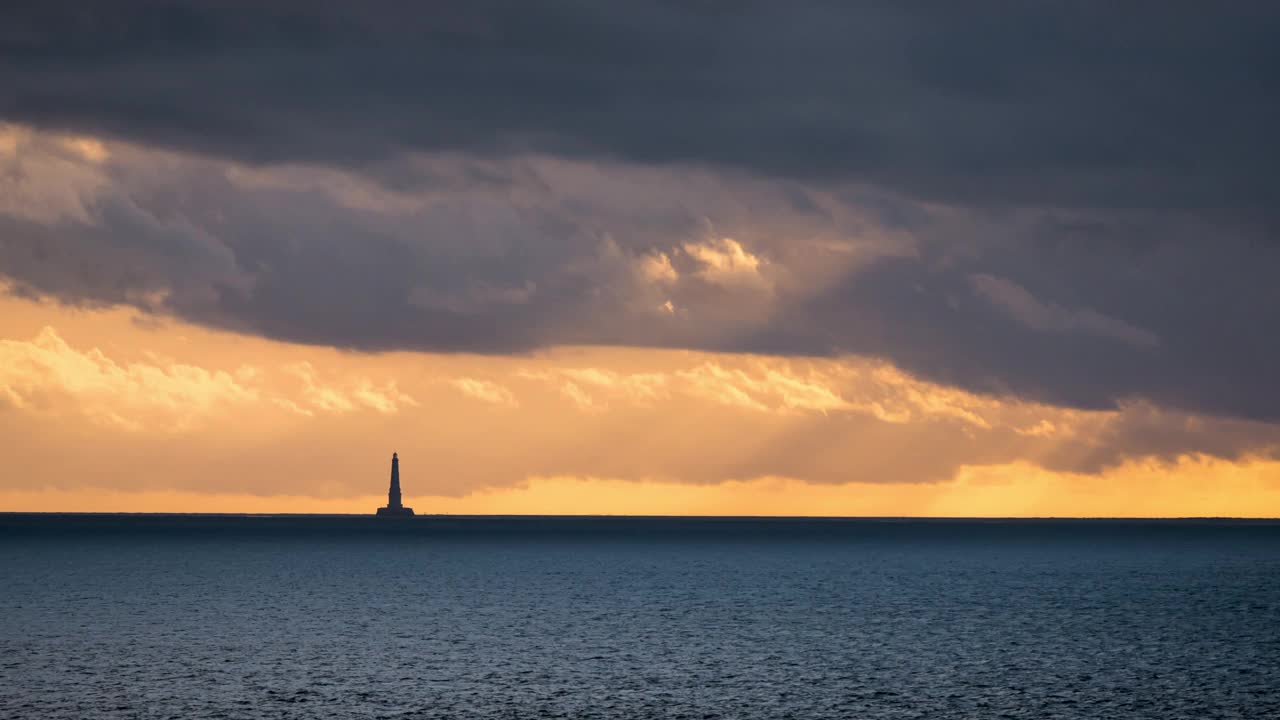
112 410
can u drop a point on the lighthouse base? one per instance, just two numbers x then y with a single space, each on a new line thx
395 512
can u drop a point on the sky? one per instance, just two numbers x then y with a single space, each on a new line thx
720 258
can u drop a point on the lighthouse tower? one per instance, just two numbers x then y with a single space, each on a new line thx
394 507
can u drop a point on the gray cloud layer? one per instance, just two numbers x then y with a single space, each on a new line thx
1064 201
996 102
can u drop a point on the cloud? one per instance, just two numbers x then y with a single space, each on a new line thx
586 256
613 255
657 268
485 391
347 395
929 99
762 389
115 394
1020 305
160 394
724 261
58 187
1024 208
759 386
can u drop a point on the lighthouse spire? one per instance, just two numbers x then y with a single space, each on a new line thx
393 495
395 506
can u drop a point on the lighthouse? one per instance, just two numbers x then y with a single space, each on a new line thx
394 507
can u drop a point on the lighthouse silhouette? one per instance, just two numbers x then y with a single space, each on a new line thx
394 507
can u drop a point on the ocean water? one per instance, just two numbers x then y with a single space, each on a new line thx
343 617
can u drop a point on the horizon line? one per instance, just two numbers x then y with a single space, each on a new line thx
479 516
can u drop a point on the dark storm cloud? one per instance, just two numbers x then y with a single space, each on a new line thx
1194 334
1071 202
1129 104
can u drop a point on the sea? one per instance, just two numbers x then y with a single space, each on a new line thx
191 616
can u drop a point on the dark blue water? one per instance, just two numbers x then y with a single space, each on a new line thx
324 617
